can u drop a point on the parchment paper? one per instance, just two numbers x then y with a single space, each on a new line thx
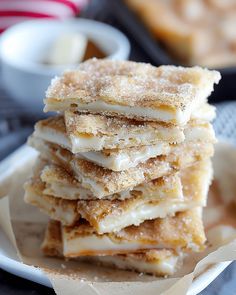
24 225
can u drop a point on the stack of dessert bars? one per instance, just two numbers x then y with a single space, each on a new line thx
124 168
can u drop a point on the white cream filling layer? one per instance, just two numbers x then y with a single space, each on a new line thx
79 143
67 191
165 266
74 245
178 116
145 112
96 188
97 143
143 212
100 245
54 137
123 160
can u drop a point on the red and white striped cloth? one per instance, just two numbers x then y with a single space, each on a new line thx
15 11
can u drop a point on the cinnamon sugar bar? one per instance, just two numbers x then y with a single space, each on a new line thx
87 132
173 196
156 262
96 132
59 183
182 232
135 90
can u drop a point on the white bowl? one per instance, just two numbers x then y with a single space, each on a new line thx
24 46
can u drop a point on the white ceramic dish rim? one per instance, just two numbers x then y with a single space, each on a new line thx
123 45
36 275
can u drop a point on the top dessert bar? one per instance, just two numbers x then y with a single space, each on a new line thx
134 90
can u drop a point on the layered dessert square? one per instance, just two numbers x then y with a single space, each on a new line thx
134 90
124 169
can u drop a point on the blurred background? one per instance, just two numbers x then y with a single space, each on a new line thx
39 39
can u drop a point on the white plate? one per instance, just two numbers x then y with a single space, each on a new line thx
10 263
